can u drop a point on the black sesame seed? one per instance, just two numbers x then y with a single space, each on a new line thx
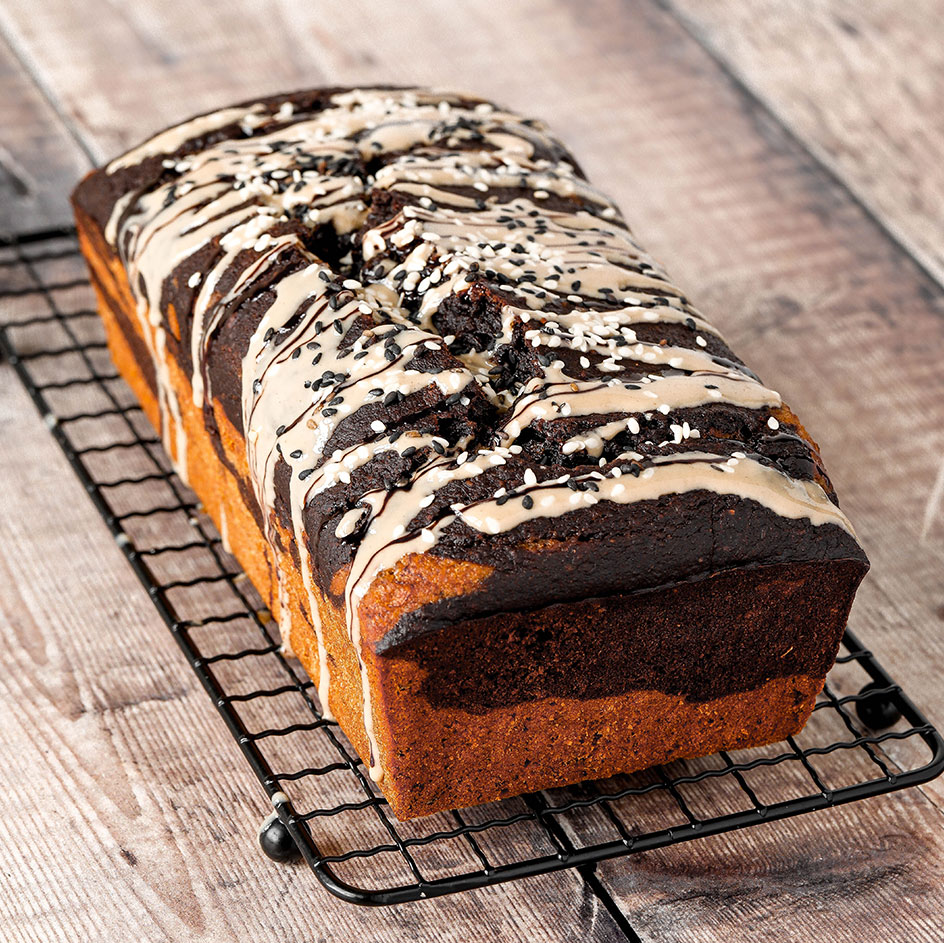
528 502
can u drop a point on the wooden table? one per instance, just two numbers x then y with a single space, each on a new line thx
785 159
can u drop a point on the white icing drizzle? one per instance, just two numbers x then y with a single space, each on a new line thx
285 627
487 195
224 530
166 142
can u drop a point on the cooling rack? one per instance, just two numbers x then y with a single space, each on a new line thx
865 736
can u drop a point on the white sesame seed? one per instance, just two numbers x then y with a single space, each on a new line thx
772 423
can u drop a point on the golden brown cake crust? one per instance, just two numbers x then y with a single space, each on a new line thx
497 667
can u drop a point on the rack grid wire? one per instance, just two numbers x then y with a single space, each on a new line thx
50 333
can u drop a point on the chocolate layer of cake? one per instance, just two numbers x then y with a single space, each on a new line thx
464 422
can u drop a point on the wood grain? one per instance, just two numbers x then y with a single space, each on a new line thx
39 161
882 871
803 282
861 84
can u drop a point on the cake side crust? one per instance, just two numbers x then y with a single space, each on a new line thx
405 642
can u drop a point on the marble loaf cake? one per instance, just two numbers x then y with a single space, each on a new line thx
521 513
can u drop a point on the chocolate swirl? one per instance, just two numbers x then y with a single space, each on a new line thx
442 299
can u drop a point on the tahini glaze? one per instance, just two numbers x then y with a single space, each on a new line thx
454 158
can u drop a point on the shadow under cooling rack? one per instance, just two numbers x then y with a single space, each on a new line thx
50 333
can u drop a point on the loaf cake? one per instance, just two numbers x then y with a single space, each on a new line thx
520 512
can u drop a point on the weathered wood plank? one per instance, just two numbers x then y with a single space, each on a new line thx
39 161
171 58
842 876
813 295
861 84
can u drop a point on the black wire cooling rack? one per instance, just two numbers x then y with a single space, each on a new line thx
51 335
